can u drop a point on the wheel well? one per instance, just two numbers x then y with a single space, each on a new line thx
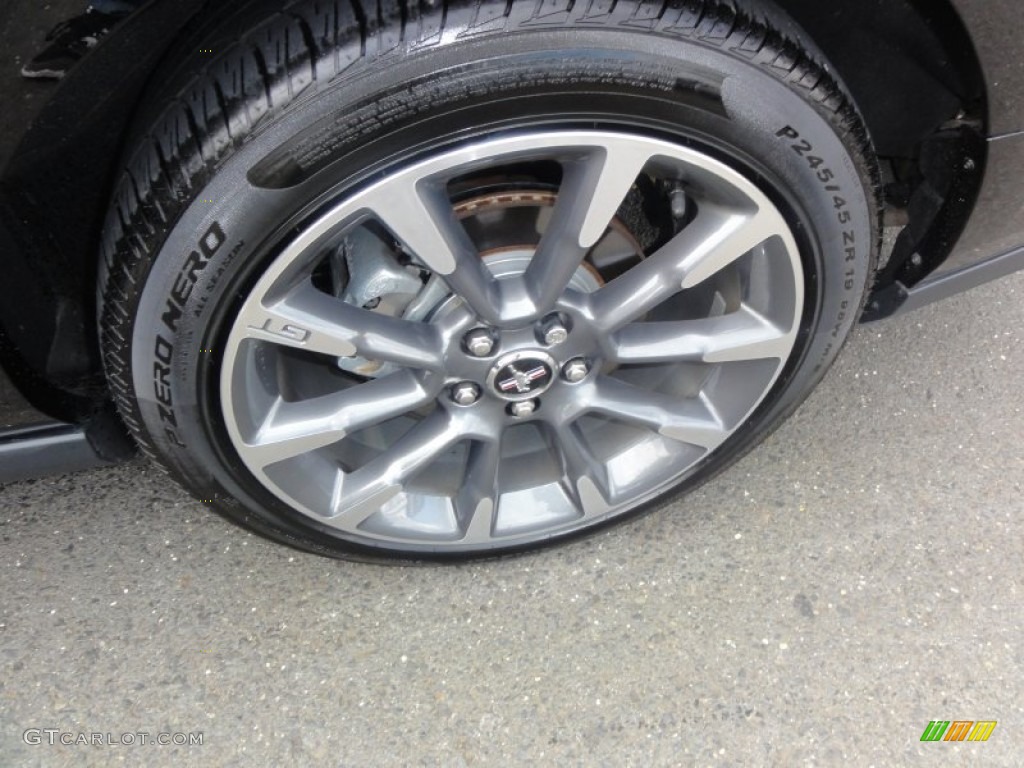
909 64
911 68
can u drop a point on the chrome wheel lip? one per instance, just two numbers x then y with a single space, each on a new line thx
596 506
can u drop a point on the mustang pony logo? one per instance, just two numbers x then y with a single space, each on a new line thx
522 381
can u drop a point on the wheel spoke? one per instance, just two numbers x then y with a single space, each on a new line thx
317 322
293 428
689 420
421 216
477 501
593 187
417 212
360 493
431 456
736 234
741 335
713 240
586 477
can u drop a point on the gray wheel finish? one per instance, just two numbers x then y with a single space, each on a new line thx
510 396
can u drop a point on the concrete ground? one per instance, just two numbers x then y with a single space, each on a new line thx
855 577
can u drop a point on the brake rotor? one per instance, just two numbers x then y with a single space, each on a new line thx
515 220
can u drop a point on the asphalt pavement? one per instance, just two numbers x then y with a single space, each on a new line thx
854 578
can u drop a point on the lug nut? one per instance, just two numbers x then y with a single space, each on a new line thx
553 331
523 408
465 393
479 342
575 370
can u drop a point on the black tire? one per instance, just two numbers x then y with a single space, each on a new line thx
240 148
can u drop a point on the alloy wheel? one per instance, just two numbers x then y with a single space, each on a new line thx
501 343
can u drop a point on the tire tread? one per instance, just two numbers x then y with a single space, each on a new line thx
201 117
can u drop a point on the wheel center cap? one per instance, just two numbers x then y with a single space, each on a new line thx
522 375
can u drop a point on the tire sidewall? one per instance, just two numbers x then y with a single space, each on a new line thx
779 137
